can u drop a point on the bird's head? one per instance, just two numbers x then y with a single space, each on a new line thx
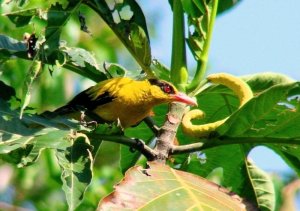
164 91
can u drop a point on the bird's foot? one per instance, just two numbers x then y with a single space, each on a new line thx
139 145
85 123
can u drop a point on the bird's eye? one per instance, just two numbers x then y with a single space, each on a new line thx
167 89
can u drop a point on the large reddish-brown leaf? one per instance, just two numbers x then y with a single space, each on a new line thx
160 187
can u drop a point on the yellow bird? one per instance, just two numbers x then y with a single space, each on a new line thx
123 99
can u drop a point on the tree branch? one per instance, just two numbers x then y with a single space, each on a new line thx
152 125
137 144
210 143
168 132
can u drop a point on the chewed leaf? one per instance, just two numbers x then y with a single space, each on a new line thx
57 17
161 187
83 63
33 71
76 163
127 20
23 17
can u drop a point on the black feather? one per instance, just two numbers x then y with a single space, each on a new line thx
164 86
83 102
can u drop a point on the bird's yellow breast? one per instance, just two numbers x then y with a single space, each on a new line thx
131 101
127 115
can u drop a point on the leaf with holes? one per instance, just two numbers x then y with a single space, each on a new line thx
23 17
76 163
128 22
160 187
83 63
57 17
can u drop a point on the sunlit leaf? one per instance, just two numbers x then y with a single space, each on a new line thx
161 70
161 187
83 63
32 73
262 186
76 163
128 22
266 115
57 18
262 81
116 70
23 17
199 13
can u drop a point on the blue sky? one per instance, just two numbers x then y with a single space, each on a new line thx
259 36
255 36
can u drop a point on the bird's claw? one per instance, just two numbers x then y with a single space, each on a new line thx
84 123
139 144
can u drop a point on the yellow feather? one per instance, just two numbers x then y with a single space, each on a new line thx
124 99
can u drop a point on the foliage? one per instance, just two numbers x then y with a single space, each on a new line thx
86 162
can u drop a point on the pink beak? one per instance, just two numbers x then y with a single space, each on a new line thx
183 98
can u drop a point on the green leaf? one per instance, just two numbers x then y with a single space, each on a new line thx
160 187
127 21
22 141
161 71
6 91
221 102
83 62
76 163
237 173
143 132
290 153
262 186
127 157
57 18
25 150
23 17
116 70
225 5
205 162
267 115
262 81
33 72
199 13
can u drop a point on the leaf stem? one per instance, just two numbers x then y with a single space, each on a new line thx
210 143
179 74
202 61
137 144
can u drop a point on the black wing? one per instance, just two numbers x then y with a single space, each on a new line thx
83 102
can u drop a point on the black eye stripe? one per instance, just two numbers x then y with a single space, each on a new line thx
164 86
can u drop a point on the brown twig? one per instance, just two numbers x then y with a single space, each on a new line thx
168 132
133 143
